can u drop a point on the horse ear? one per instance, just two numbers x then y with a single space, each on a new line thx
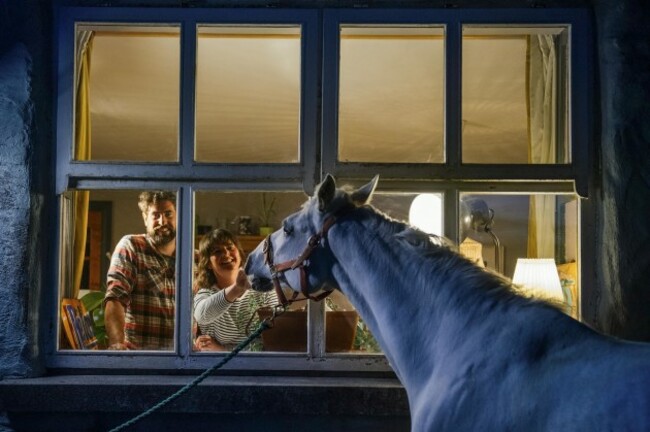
362 195
325 192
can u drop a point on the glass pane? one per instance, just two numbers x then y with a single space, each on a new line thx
391 94
222 316
108 272
514 95
498 231
248 94
346 331
127 93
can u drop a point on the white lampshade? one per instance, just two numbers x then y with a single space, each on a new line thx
426 213
538 277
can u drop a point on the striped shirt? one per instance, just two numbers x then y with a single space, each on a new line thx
143 280
225 321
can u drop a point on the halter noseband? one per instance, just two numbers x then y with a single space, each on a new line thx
278 269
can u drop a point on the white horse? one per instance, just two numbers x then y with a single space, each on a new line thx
471 353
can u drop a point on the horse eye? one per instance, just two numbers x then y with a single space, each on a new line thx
287 229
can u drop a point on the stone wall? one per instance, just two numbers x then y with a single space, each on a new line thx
25 130
623 129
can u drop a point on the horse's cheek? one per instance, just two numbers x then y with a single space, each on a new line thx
250 266
293 279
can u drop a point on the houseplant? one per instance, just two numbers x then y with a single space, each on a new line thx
92 301
267 212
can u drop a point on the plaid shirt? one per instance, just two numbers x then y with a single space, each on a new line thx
143 280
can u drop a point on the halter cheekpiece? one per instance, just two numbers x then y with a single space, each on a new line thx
298 263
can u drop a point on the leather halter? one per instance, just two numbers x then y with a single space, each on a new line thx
298 263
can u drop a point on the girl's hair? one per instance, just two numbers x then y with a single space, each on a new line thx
205 277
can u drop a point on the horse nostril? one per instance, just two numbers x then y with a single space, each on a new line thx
262 284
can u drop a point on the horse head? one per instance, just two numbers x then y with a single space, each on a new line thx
297 255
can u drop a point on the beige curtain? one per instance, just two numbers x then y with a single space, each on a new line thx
542 130
81 152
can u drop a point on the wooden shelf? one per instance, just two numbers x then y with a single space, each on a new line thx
248 242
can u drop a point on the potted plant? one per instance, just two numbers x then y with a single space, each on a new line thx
267 212
92 301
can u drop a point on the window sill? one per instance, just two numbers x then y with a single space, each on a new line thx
311 396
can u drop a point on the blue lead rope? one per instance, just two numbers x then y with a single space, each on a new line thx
243 344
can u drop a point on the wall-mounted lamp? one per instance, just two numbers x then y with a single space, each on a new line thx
426 213
538 277
476 215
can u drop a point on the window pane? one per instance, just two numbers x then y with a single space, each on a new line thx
248 94
107 252
536 226
346 331
224 219
391 98
127 93
514 107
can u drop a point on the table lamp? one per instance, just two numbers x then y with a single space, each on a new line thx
538 277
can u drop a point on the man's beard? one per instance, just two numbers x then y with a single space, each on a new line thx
162 235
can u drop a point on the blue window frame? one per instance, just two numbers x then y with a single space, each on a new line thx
320 66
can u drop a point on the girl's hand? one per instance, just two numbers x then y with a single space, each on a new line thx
207 343
237 290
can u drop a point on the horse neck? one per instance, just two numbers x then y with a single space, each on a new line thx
370 272
417 309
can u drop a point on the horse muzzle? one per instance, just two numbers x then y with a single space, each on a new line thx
262 284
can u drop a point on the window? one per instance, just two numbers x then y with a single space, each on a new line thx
126 88
239 113
391 99
248 94
513 95
505 160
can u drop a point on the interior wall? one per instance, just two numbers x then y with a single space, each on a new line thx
126 217
222 209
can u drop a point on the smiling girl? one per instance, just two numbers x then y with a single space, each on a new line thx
223 301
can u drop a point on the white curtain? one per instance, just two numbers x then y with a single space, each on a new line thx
542 114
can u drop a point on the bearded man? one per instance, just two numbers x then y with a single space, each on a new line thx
140 296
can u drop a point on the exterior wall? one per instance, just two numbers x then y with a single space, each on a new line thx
25 148
623 234
619 304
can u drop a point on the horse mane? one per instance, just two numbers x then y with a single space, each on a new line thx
427 248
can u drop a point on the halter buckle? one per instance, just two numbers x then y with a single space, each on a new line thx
314 240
